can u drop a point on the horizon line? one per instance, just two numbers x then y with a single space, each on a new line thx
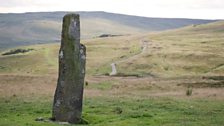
110 13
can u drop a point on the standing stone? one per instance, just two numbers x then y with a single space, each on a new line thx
114 70
67 106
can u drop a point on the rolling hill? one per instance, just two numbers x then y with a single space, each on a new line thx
195 50
189 51
44 27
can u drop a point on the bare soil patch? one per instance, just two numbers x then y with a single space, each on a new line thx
33 85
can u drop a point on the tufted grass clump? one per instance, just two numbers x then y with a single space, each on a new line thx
189 91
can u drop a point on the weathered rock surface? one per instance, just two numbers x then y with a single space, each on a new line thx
67 106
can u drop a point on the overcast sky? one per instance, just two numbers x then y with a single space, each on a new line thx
201 9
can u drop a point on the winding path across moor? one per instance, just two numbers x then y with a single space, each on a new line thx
144 48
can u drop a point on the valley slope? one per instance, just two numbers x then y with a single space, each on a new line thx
45 27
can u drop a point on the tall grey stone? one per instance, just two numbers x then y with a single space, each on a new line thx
67 106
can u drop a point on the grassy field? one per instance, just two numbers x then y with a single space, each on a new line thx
101 52
120 111
190 51
172 78
113 101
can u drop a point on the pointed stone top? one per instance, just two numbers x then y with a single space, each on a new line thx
71 27
72 15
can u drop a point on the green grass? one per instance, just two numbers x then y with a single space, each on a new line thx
101 111
20 112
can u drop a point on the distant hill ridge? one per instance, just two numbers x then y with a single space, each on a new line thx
44 27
